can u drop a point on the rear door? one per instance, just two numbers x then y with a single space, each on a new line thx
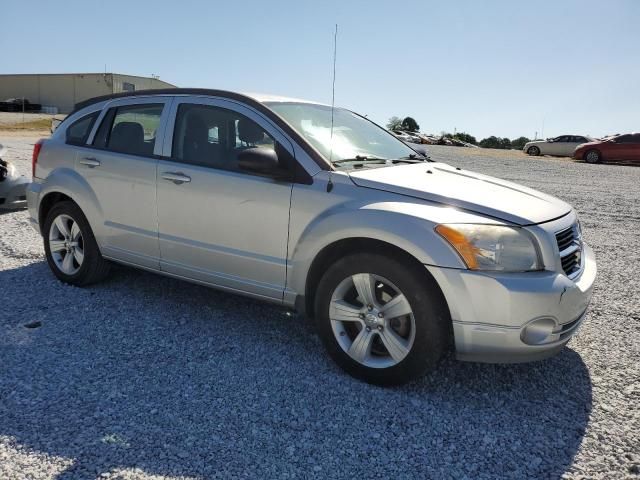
217 223
563 145
120 167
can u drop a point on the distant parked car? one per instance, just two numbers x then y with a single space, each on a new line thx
19 105
407 137
619 147
562 146
13 186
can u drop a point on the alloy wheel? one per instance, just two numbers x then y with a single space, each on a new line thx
66 244
372 320
592 157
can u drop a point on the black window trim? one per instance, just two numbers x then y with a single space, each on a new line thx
109 116
95 114
298 174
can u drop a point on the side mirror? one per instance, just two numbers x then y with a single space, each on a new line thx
262 161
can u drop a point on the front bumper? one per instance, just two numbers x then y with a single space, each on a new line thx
13 192
515 317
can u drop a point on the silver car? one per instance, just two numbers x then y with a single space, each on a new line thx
396 258
562 146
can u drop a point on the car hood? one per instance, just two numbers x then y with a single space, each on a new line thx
536 142
442 183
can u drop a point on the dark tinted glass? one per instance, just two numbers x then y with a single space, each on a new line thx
79 131
134 128
214 137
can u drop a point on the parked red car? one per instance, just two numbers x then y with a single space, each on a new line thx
617 147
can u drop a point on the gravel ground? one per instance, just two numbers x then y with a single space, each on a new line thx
147 377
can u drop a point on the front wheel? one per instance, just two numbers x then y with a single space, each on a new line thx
381 319
533 151
592 156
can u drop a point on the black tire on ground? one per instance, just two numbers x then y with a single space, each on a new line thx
432 319
592 156
535 151
94 267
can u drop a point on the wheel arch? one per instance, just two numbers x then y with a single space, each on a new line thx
66 184
347 246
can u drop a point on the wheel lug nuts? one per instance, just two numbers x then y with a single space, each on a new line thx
369 307
380 327
361 315
380 315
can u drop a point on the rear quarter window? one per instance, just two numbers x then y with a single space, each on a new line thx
78 132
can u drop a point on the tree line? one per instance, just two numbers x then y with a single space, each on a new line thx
408 124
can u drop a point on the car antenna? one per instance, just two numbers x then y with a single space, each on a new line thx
333 101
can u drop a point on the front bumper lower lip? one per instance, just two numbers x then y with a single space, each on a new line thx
493 313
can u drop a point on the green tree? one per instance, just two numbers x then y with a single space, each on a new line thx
490 142
394 123
495 142
410 125
465 137
519 142
505 143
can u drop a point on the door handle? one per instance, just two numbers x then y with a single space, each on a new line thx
176 177
90 162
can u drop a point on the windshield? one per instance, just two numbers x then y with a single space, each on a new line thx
354 137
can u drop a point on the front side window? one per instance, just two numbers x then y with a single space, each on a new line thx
79 131
214 137
132 129
352 135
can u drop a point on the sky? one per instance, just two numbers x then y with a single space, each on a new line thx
504 68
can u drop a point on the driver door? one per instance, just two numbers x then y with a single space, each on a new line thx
217 223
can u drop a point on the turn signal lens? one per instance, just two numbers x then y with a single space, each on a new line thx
458 241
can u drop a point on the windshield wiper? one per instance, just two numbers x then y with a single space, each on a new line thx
411 158
361 159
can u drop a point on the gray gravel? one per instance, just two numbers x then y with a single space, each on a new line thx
148 377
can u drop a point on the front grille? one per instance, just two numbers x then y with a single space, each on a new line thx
565 238
570 249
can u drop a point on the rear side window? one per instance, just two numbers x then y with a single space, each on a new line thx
130 129
79 131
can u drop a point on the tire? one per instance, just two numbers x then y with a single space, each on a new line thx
429 320
75 258
592 156
534 151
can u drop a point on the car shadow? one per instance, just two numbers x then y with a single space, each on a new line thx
620 163
150 373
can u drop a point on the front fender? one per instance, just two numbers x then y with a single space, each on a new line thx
73 185
408 226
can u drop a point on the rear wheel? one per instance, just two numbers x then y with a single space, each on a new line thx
71 249
535 151
592 156
381 319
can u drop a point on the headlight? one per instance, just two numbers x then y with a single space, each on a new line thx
492 247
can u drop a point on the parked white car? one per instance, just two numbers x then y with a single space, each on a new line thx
562 146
